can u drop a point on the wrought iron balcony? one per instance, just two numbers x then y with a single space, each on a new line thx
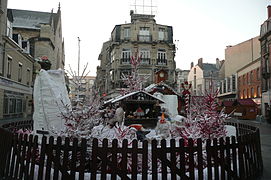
265 73
144 38
161 62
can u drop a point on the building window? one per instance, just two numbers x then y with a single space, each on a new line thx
244 94
252 92
224 86
161 57
229 84
144 34
258 74
195 82
258 91
195 70
251 77
13 105
9 29
233 83
161 34
9 64
126 32
113 56
20 70
126 56
28 76
145 56
244 79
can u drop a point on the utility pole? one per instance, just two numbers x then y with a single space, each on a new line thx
78 74
78 55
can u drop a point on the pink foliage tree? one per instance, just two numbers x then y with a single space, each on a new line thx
133 81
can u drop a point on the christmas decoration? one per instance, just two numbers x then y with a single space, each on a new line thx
133 81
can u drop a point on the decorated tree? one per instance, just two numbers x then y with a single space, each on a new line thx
133 81
203 120
85 114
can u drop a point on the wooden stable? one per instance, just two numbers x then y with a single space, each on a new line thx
166 90
135 101
241 108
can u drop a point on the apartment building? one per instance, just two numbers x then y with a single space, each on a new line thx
83 90
16 69
153 43
40 33
182 76
237 57
265 46
204 77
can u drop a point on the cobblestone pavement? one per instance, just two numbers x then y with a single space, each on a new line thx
265 133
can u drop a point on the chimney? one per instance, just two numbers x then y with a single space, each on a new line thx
192 65
200 62
269 11
217 63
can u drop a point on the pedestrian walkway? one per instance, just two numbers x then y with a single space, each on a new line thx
265 133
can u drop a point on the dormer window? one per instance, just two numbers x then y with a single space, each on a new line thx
161 34
126 33
144 34
9 29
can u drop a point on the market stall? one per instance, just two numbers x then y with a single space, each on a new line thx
140 108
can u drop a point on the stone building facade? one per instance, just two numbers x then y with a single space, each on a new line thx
182 76
203 77
16 69
265 45
152 41
40 33
85 89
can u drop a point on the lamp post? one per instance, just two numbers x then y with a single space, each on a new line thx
79 79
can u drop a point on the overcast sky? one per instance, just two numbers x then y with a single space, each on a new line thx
203 27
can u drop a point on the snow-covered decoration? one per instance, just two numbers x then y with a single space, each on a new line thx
80 120
171 104
77 79
163 127
186 93
133 81
119 98
50 101
117 132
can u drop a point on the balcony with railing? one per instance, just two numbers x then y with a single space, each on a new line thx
125 61
144 38
145 61
161 61
265 72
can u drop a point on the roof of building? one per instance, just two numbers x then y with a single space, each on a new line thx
209 70
247 102
154 87
33 19
119 98
242 102
30 19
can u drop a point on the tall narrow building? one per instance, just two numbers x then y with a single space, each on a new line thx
265 41
154 44
41 34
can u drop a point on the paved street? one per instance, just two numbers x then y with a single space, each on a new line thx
265 131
